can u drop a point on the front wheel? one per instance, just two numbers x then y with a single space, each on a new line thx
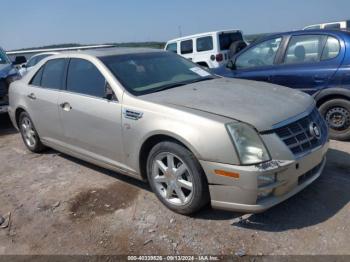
336 112
177 178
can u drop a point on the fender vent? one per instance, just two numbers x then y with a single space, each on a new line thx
131 114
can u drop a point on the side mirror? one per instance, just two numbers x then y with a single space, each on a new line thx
231 64
109 94
19 60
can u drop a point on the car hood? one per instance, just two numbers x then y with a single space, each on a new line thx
257 103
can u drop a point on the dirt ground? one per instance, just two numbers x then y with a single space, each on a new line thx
61 205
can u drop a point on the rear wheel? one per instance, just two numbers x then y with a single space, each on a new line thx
177 178
29 134
337 114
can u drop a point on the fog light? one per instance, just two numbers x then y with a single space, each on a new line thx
264 193
266 179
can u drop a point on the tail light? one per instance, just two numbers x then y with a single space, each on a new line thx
219 57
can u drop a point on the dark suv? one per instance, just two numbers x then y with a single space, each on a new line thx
314 61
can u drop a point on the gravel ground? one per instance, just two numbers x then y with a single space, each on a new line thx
61 205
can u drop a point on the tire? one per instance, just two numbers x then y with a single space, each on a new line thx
190 178
336 112
29 134
235 47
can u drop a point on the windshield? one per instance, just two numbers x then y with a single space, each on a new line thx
226 39
145 73
3 58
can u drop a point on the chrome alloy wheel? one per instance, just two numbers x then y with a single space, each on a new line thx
28 132
172 178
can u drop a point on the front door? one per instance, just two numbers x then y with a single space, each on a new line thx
310 61
257 62
91 122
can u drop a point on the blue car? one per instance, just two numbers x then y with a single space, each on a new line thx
314 61
8 73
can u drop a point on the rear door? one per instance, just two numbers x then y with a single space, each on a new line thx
186 49
204 51
42 99
91 122
309 62
258 62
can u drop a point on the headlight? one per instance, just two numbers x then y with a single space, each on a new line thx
250 148
266 179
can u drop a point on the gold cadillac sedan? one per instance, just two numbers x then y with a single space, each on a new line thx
196 138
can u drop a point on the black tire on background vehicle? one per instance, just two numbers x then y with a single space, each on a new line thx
177 178
29 134
235 47
337 114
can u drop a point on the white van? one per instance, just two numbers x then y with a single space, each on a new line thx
333 25
210 49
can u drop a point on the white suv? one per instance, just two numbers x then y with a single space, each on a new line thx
334 25
210 49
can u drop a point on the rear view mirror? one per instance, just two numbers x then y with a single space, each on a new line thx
19 60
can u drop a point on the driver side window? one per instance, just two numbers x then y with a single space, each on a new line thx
262 54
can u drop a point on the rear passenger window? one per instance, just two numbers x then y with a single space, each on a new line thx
172 47
187 47
304 49
204 44
53 74
36 80
84 78
331 49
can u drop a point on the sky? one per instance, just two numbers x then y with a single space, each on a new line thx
33 23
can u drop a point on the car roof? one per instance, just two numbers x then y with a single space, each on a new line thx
112 51
310 32
45 53
203 34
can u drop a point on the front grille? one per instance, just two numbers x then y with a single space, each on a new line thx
298 137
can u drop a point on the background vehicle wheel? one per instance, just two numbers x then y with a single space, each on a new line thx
177 178
337 114
29 135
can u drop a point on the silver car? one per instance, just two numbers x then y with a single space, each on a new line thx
196 138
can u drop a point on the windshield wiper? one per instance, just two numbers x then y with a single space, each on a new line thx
165 87
201 79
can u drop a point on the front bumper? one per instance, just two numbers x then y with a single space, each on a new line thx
242 194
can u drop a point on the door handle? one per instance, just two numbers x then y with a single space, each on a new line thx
31 96
66 106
